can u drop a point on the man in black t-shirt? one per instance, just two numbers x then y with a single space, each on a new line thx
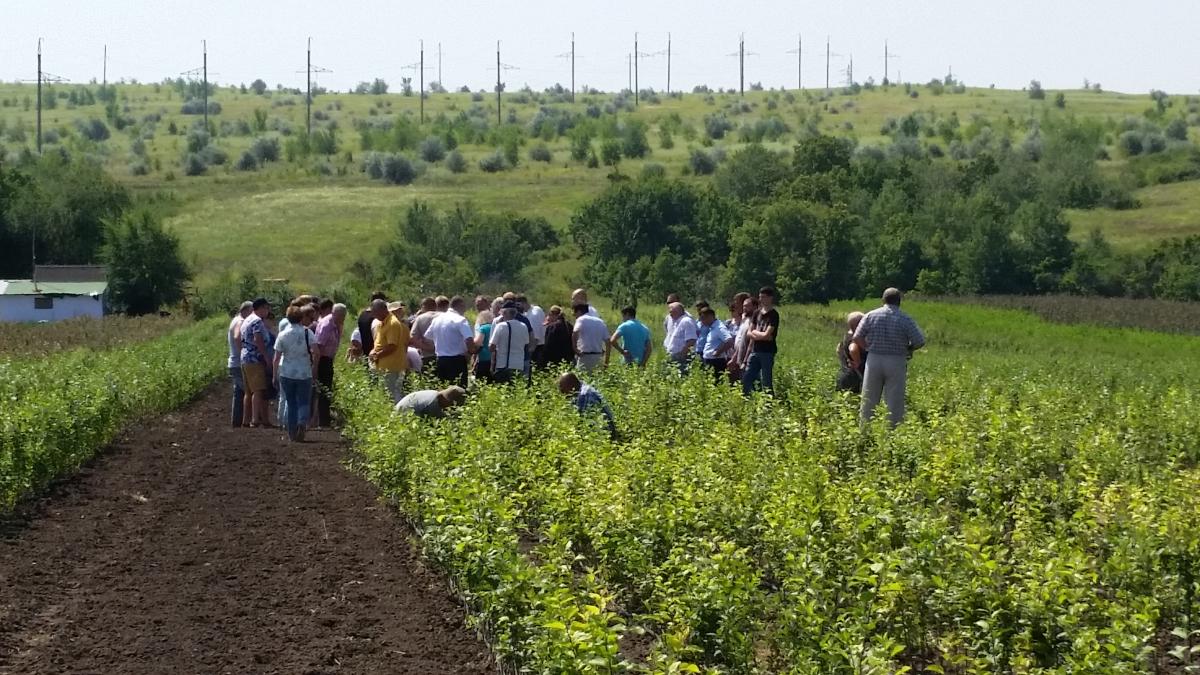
763 334
364 323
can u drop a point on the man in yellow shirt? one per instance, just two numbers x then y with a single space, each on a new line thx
390 353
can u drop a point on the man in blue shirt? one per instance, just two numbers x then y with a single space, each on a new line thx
701 330
632 339
717 344
587 400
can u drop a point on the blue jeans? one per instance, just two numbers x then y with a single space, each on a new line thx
235 376
760 367
298 394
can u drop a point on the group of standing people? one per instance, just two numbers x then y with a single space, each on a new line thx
290 361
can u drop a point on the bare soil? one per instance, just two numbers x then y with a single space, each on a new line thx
189 546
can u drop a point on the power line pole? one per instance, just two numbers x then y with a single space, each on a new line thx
308 90
498 71
104 73
885 63
826 64
421 93
668 64
635 70
39 98
572 66
799 52
204 43
742 65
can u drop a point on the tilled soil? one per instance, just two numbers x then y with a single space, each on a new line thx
192 547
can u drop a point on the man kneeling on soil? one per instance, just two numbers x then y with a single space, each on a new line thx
430 402
587 399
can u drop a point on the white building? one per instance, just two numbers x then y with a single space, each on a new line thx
55 293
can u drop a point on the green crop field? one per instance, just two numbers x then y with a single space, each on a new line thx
308 218
1036 513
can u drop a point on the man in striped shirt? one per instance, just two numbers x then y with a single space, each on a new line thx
889 337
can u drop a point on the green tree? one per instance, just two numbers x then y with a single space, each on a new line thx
145 267
822 154
753 172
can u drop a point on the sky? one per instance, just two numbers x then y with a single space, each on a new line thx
1130 47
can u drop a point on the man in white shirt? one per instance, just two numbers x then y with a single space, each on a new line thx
580 297
590 338
510 345
453 340
681 336
537 322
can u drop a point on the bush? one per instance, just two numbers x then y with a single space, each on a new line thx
265 150
456 162
247 162
139 167
197 140
195 106
432 149
716 126
1177 129
213 155
701 163
653 171
398 169
1036 92
610 152
494 162
373 164
540 153
193 164
93 130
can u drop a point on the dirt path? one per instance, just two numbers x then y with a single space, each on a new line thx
193 547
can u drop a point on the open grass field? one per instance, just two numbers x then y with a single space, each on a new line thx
1166 211
308 219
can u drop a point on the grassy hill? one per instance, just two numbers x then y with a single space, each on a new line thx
308 217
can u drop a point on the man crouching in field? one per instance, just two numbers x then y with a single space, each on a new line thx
889 337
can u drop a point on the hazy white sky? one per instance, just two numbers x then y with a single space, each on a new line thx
1126 46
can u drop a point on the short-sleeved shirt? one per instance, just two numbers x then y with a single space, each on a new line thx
717 335
485 354
762 321
537 320
634 336
295 346
591 334
392 331
889 332
509 341
679 332
366 337
329 336
414 359
420 326
422 404
449 332
252 326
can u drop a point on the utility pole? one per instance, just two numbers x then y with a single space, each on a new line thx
104 73
421 93
572 66
498 71
826 64
885 63
440 82
742 65
799 52
668 64
42 76
204 43
308 90
635 70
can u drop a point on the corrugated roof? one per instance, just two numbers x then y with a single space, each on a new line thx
25 287
71 273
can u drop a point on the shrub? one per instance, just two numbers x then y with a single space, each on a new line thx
193 164
701 163
1177 129
610 152
432 149
653 170
456 162
716 126
665 140
373 164
540 153
195 106
398 169
1035 91
139 167
265 149
93 130
213 155
247 162
494 162
197 140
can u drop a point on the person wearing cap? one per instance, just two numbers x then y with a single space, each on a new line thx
590 338
355 351
430 402
509 344
253 336
329 338
234 362
453 341
390 354
888 337
587 400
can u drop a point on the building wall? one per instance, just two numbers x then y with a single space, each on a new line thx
21 308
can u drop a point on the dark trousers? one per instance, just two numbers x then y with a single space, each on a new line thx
483 371
718 366
324 391
536 358
453 369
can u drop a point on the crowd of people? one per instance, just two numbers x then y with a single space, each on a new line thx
292 362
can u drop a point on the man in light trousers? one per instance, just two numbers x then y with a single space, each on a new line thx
889 337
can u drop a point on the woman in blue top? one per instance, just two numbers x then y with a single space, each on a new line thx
295 357
483 357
